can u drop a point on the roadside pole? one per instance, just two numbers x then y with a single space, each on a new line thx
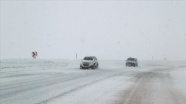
76 56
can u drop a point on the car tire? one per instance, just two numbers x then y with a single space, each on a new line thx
94 66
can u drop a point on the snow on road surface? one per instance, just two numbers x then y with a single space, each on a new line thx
62 82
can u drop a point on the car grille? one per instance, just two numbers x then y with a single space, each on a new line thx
85 63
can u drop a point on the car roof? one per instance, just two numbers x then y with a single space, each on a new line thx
131 58
89 56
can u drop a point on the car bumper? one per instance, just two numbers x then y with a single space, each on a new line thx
86 66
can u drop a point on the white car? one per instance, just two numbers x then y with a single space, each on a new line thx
89 62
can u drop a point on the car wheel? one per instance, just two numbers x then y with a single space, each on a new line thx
94 66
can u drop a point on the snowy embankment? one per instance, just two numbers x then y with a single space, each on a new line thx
29 63
177 71
179 78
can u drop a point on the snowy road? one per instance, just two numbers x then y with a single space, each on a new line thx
111 83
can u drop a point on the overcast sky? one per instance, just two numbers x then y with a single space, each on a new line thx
106 29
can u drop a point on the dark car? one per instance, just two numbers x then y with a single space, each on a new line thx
132 62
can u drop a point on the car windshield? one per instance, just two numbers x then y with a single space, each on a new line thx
88 58
130 59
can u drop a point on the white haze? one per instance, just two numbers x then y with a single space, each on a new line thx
106 29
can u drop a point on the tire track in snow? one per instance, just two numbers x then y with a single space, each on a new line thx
36 84
77 88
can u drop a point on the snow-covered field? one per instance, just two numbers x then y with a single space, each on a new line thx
62 82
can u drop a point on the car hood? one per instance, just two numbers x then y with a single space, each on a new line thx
87 61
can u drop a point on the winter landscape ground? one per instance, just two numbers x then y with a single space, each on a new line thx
62 82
